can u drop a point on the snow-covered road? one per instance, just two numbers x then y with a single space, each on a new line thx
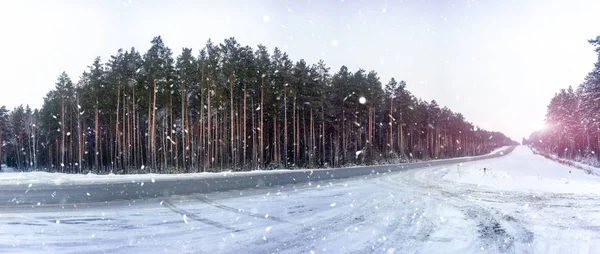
522 204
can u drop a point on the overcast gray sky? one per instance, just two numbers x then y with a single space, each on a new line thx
497 62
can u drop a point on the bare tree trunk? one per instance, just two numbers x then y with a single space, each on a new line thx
401 134
231 120
392 125
369 144
312 139
209 116
297 134
285 130
183 125
244 136
79 139
216 139
134 131
166 134
149 132
275 139
261 124
62 132
306 156
294 141
96 138
117 136
322 134
187 131
343 133
254 152
123 134
153 136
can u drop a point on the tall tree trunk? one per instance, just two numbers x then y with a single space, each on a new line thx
294 141
261 124
297 120
217 145
96 138
183 125
202 137
391 149
231 120
209 116
123 134
322 134
167 125
62 132
117 136
153 136
343 134
149 132
187 131
79 139
285 130
254 152
244 136
275 139
311 149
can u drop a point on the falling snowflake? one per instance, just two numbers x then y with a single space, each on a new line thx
362 100
335 43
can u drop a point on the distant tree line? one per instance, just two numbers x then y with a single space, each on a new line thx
573 119
230 107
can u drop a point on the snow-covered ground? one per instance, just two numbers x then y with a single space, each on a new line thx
429 210
581 163
524 171
6 169
41 177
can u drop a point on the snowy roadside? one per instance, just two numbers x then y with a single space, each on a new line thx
576 164
40 177
525 171
522 203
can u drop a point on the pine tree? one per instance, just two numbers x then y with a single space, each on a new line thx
3 131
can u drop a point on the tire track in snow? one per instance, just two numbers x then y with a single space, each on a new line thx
172 207
496 231
239 211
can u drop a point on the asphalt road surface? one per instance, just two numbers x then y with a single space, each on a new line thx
50 194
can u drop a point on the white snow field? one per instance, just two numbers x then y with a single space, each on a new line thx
523 204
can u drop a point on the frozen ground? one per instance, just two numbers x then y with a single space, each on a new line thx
523 204
524 171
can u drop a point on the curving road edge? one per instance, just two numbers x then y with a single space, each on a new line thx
43 195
